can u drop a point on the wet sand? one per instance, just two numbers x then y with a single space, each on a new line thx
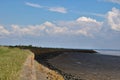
88 66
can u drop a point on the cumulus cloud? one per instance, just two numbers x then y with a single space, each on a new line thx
81 26
18 30
58 9
85 19
114 1
33 5
3 32
113 18
37 30
51 28
53 9
88 26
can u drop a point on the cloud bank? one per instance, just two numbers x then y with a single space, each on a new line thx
82 26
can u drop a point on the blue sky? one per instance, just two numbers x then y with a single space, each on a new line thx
89 24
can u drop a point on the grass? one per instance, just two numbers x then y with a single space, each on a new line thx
11 61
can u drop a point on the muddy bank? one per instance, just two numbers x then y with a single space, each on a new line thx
44 73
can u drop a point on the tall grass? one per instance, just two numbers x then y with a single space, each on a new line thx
11 61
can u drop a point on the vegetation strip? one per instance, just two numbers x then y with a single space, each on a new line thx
11 62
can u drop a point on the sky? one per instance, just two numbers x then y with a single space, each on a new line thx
81 24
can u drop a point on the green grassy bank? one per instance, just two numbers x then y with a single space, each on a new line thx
11 62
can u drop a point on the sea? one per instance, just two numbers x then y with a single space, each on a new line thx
108 52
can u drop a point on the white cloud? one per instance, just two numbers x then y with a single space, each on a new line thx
81 26
17 30
3 31
113 18
33 5
114 1
53 9
58 9
37 30
85 19
88 26
53 29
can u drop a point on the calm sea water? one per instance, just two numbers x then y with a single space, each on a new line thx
109 52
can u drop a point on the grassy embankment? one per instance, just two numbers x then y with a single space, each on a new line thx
11 62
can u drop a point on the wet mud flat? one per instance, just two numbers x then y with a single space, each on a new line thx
86 66
80 65
43 59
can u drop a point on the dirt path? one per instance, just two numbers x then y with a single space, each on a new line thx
32 70
28 70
